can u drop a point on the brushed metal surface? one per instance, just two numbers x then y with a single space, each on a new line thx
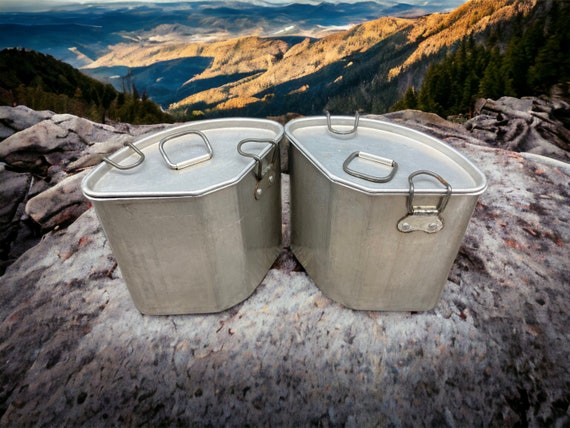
191 247
345 232
411 149
155 178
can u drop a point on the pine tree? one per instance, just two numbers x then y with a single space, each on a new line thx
409 101
492 84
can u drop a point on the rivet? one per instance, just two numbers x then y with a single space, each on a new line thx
432 226
406 227
258 192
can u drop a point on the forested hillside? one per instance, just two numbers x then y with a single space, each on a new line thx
439 62
275 76
390 57
41 82
535 59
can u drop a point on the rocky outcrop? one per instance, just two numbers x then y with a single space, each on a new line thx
43 157
50 146
13 190
19 118
75 351
533 125
530 125
60 204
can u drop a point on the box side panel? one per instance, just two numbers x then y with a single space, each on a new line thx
162 250
349 243
260 227
169 251
310 214
377 267
194 254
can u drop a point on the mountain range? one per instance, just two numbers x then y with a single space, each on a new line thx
82 33
212 58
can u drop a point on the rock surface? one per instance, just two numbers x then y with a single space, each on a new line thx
14 119
534 125
13 190
44 156
494 351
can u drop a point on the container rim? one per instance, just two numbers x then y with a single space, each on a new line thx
470 168
89 181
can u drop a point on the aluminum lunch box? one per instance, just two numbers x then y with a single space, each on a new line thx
378 210
193 214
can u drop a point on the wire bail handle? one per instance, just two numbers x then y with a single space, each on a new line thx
427 219
130 166
189 162
338 131
267 176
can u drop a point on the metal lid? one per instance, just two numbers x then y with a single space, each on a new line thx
374 156
188 160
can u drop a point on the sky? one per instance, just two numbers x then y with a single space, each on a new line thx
43 5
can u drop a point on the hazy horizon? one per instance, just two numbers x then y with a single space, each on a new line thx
47 5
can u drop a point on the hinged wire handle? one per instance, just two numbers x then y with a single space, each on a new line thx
426 219
134 164
189 162
268 176
374 158
259 171
339 132
444 199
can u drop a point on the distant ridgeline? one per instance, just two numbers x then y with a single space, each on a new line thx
41 82
536 58
440 62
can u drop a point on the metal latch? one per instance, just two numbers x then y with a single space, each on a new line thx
266 175
424 218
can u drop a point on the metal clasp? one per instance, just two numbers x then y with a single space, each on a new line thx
373 158
424 218
267 176
339 132
198 159
125 167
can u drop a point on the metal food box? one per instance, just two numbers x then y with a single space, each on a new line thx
378 210
193 214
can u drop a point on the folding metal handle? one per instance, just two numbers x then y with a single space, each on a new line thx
193 161
268 176
259 172
425 219
339 132
444 199
124 167
374 158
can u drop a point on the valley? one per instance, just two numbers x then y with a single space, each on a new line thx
211 58
182 53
